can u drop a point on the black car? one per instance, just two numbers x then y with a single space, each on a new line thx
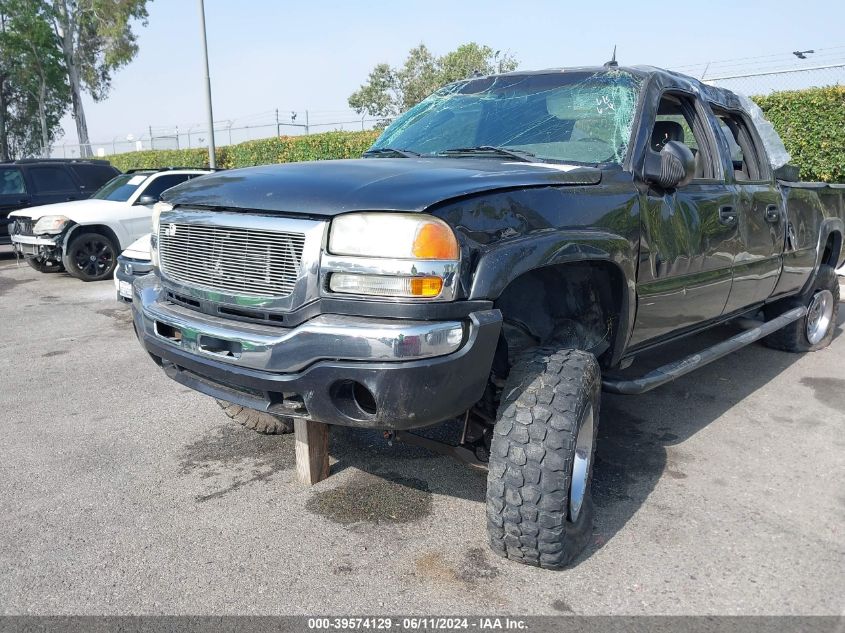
32 182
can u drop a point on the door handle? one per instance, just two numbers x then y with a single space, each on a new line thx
727 215
772 214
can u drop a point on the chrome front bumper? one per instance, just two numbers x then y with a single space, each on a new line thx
286 350
413 373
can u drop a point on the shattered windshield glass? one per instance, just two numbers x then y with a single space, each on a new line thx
573 117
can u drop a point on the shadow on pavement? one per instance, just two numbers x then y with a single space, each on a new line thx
638 435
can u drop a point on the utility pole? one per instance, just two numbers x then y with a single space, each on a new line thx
212 159
307 129
278 128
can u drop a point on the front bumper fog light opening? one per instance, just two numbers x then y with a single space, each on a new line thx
353 399
386 285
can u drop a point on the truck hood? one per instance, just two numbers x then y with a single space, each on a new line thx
80 211
332 187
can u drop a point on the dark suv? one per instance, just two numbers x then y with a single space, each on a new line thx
26 183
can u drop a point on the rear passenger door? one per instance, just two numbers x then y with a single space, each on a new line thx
52 183
762 227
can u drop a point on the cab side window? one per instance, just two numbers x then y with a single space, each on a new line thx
678 119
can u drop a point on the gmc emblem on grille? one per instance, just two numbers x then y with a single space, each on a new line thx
170 231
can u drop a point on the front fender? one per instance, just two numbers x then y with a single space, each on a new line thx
500 265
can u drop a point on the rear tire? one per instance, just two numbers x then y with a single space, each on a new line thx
539 503
258 421
44 266
815 330
91 257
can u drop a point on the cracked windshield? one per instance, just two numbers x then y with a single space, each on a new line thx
581 118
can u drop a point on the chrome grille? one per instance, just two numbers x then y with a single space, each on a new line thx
237 261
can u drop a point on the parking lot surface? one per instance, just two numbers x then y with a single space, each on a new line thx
123 492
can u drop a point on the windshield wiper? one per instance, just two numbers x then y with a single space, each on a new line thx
518 154
392 151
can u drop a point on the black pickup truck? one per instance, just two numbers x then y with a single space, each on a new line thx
498 256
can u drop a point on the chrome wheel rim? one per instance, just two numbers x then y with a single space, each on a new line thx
581 464
819 316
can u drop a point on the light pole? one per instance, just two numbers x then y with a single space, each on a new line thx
212 159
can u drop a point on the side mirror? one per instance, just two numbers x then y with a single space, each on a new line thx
146 200
673 166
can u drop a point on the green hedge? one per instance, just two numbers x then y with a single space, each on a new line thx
811 123
812 126
282 149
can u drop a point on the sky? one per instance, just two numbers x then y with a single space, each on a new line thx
267 54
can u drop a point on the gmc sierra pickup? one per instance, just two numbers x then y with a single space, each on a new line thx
499 254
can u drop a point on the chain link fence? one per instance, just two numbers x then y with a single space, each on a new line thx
776 81
764 74
226 132
759 75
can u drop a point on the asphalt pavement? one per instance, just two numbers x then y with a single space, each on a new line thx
123 492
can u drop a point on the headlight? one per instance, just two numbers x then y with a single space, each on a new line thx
391 255
394 235
50 224
158 208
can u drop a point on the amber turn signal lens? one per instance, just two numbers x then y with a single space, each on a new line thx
435 241
426 286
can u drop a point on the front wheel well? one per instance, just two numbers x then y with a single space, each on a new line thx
577 305
100 229
832 249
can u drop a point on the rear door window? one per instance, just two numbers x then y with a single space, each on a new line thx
52 179
92 177
748 160
11 181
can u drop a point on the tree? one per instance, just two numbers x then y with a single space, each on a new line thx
389 91
33 90
95 38
36 68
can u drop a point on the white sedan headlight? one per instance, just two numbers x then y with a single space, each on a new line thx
158 209
50 224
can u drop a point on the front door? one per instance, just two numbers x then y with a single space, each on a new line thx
689 235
